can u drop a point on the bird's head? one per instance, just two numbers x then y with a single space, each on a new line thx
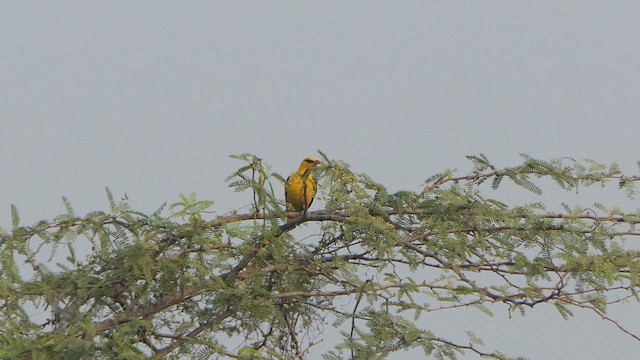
308 163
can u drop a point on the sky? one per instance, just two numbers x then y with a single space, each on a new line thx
151 98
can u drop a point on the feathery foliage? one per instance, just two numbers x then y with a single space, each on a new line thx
128 285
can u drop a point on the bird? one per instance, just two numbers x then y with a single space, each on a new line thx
300 187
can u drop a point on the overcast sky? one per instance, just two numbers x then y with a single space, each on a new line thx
151 98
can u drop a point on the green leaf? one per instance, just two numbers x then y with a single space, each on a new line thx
15 217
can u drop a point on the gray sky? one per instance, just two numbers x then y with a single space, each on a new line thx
151 98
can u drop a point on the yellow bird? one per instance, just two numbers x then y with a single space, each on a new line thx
300 187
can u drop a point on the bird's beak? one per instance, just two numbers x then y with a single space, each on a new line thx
317 162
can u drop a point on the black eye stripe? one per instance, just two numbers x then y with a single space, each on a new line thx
309 161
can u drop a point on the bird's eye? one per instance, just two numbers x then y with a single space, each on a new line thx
309 161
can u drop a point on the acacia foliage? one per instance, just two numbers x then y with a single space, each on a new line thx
128 285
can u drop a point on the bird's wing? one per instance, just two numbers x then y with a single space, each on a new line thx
312 183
